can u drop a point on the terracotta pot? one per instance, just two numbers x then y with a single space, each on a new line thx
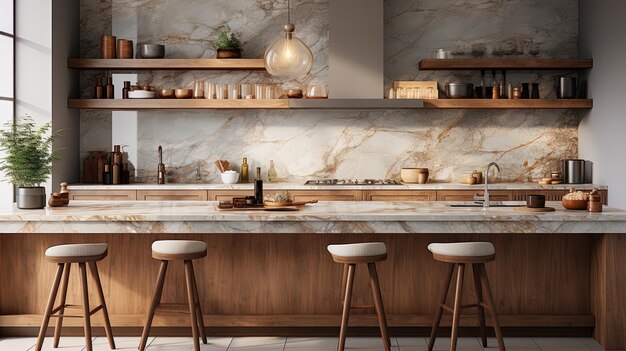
228 53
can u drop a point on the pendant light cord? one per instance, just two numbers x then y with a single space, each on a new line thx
288 11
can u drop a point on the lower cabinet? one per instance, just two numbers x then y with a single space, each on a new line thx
172 195
399 195
103 195
326 195
468 195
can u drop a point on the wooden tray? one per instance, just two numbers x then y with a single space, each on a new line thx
242 209
528 209
287 204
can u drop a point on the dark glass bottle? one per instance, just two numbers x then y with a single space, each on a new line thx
109 89
258 187
525 91
106 175
99 89
125 89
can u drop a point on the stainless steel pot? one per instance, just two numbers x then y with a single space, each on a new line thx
151 51
573 171
567 88
459 90
31 198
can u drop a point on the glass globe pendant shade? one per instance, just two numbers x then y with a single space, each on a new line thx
288 56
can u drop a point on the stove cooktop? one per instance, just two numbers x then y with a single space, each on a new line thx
351 182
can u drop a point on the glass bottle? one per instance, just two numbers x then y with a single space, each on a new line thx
258 187
271 173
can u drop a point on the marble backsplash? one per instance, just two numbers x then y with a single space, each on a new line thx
342 144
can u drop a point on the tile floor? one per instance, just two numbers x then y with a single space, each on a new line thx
305 344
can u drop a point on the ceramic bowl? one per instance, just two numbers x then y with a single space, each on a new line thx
167 93
230 177
141 94
151 51
183 93
414 175
574 204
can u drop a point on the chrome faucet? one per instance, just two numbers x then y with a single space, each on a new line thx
160 167
485 197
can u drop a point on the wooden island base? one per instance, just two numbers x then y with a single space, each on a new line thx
287 284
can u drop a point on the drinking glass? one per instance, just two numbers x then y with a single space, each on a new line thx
316 91
209 90
246 91
259 91
198 89
221 91
270 91
233 91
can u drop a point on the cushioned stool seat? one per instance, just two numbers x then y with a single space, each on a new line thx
77 250
178 249
358 250
470 249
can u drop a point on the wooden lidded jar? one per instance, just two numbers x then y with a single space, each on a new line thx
107 47
124 49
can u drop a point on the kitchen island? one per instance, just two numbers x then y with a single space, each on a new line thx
556 273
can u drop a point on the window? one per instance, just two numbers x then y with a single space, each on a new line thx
7 78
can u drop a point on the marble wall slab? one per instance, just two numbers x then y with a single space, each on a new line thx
343 144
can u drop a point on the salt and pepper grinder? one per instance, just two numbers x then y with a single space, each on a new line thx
109 88
125 89
99 89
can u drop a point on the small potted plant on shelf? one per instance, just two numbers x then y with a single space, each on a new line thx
228 46
27 159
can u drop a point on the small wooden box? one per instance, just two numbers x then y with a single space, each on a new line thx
422 85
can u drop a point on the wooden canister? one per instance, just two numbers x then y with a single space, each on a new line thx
107 47
124 49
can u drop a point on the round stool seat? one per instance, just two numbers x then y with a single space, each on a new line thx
178 249
359 252
77 252
471 252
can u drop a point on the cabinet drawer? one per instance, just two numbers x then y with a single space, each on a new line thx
326 195
468 195
172 195
399 195
103 195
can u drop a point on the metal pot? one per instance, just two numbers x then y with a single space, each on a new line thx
573 171
459 90
152 51
31 198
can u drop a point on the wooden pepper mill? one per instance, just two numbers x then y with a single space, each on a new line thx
61 198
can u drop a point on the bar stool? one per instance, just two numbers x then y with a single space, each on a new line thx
64 256
178 250
350 255
458 255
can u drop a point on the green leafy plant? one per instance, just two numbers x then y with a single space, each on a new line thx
27 159
226 39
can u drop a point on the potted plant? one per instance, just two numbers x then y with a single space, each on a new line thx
228 46
27 160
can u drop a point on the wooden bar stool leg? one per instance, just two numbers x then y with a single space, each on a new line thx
49 307
346 307
156 299
378 303
197 303
105 312
192 306
442 301
83 279
458 297
492 306
481 309
59 324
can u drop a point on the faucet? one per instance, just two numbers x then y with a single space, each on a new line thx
161 167
485 197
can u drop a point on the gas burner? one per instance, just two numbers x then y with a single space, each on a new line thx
351 182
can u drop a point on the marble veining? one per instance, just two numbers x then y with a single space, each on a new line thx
341 144
323 217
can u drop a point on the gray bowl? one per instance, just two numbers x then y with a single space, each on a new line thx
151 51
459 90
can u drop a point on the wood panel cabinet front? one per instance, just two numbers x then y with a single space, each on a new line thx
468 195
172 195
103 195
399 195
326 195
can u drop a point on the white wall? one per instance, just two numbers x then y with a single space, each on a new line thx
602 132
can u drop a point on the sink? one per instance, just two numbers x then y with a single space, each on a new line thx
491 204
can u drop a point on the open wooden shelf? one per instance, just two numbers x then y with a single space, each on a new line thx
146 104
506 64
167 64
508 104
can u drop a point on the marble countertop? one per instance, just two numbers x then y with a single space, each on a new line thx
300 186
334 217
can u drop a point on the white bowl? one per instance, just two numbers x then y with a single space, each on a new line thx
141 94
230 177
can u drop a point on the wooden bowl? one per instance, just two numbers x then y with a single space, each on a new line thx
183 93
574 204
412 175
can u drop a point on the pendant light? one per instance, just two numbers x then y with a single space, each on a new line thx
288 56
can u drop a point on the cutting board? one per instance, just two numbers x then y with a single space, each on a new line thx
528 209
284 208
